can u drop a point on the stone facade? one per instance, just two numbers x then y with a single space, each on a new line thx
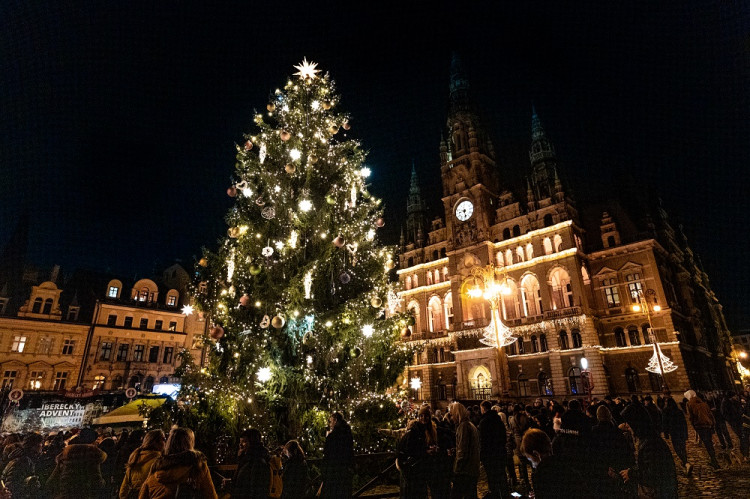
570 286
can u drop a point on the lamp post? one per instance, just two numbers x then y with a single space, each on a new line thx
496 334
586 374
659 363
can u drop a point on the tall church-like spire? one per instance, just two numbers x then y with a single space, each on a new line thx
459 86
415 211
542 149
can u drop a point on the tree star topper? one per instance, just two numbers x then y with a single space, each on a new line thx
306 69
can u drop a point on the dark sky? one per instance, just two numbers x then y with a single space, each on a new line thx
118 119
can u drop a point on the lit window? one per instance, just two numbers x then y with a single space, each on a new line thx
35 380
61 379
19 342
45 346
68 347
143 295
99 382
113 291
173 325
634 286
171 300
611 293
574 376
9 377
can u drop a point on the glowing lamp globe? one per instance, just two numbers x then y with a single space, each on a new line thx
584 363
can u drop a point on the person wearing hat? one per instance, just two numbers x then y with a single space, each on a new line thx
78 473
654 472
608 450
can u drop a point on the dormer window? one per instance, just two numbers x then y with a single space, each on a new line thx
73 313
171 300
47 306
143 295
113 292
36 308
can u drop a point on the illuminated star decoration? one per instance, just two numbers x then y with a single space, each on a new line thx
187 309
306 69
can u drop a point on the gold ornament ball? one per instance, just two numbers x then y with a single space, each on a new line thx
278 322
233 232
254 269
376 302
244 300
339 241
285 135
333 130
271 107
203 262
313 159
330 199
406 332
290 168
327 105
217 332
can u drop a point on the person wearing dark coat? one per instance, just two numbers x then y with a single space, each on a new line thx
675 429
252 478
552 476
731 410
608 450
571 441
338 459
78 473
295 477
22 462
439 479
492 454
654 471
416 447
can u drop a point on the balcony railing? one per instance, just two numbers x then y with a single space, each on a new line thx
472 324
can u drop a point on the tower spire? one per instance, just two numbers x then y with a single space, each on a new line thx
459 86
541 148
415 210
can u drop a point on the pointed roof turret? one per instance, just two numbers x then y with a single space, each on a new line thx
415 210
459 85
541 148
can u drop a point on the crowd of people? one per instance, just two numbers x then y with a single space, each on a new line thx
615 447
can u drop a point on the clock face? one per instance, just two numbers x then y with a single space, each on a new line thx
464 210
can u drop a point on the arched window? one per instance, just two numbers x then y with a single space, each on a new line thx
655 380
531 296
632 380
563 339
508 257
574 377
545 384
520 254
445 273
143 294
547 243
499 259
521 346
443 253
415 280
548 222
529 251
37 306
542 342
620 337
506 233
534 344
448 307
135 381
635 338
435 315
575 335
646 336
562 293
429 278
516 231
47 306
558 243
436 276
510 301
611 242
99 382
149 384
413 307
407 282
523 385
435 254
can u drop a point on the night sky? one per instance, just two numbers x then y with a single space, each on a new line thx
118 119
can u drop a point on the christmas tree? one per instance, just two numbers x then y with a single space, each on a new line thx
296 292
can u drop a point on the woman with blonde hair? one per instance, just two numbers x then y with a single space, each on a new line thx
180 468
140 462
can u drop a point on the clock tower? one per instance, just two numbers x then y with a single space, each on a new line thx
468 167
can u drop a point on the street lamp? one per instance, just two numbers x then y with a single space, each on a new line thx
659 363
496 334
586 376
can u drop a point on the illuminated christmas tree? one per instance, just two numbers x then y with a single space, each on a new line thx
295 294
